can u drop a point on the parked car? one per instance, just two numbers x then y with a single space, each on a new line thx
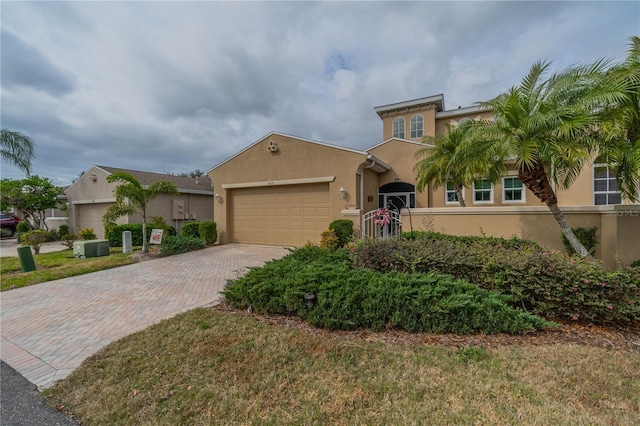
8 224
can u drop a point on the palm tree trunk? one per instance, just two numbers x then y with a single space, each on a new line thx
567 231
536 180
145 248
459 194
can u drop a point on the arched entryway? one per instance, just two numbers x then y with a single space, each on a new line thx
397 194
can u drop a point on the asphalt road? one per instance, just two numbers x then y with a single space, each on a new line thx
20 404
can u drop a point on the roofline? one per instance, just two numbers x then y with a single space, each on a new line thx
462 111
180 190
286 136
414 102
397 139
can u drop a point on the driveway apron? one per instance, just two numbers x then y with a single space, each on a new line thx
48 329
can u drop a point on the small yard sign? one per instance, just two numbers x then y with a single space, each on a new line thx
156 236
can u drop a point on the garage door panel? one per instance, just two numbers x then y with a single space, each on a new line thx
280 215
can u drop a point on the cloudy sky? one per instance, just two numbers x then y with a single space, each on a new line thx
178 86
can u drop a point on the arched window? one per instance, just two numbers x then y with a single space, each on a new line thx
398 128
417 126
400 194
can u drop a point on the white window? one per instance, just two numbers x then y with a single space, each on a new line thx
482 191
417 126
451 196
605 186
512 190
398 128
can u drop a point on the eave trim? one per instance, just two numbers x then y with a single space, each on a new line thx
278 182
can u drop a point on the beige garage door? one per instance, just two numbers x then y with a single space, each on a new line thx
280 215
90 216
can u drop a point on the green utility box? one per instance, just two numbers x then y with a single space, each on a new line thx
26 259
91 248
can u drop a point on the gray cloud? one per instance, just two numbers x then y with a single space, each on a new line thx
24 65
177 86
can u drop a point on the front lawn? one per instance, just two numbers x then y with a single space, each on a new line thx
210 367
57 265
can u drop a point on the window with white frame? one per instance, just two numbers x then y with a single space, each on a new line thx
605 186
482 191
398 128
512 190
451 196
417 126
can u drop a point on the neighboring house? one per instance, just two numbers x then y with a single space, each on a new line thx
286 190
89 197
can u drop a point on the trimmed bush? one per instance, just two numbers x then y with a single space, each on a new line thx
208 232
35 239
63 230
635 264
328 239
190 229
348 299
343 229
546 283
115 234
587 236
23 227
176 245
87 234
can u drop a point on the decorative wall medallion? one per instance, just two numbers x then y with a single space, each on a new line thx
272 147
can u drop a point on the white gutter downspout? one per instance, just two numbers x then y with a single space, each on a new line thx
373 163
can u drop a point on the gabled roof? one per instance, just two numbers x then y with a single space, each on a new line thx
184 184
436 100
396 139
286 136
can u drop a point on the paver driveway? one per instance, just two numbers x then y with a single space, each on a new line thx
50 328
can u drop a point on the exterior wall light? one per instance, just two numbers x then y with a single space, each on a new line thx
218 198
343 193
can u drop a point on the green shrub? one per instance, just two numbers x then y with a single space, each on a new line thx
115 234
415 234
208 232
171 231
35 239
176 245
343 229
87 234
23 226
68 239
347 298
63 230
328 239
546 283
190 229
635 264
52 236
587 236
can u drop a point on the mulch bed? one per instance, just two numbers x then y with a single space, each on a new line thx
620 337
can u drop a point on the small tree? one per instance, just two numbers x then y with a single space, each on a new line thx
32 196
132 197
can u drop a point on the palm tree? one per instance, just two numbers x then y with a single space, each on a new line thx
546 130
443 161
132 197
618 101
17 149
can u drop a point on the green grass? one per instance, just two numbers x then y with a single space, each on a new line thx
57 265
209 367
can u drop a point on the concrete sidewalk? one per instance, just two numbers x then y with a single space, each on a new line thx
9 247
48 329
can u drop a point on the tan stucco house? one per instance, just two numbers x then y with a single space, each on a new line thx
89 197
286 190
